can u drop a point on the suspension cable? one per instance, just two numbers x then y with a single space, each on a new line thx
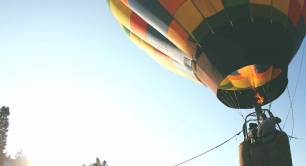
292 114
290 110
299 73
209 149
296 138
291 100
239 112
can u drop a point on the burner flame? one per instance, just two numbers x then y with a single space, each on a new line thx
260 99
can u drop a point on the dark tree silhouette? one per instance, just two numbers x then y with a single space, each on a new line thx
98 163
20 158
4 124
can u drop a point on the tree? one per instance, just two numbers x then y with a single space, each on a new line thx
98 163
21 159
4 124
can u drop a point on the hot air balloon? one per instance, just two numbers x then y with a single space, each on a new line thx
240 49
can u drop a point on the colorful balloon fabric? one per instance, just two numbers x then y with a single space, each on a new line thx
238 48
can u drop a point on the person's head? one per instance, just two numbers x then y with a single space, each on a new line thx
252 125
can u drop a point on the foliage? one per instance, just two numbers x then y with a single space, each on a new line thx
20 159
4 124
98 163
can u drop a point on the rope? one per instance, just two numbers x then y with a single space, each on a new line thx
292 114
294 93
285 122
290 110
299 73
238 105
209 149
297 138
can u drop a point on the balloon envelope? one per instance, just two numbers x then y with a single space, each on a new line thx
240 49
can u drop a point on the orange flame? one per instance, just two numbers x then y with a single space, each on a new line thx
260 99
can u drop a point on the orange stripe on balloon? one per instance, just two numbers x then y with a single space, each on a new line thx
126 2
176 33
171 6
260 75
235 77
162 55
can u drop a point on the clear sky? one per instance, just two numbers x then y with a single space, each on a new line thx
79 89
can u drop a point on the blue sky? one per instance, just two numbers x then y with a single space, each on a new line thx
78 88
